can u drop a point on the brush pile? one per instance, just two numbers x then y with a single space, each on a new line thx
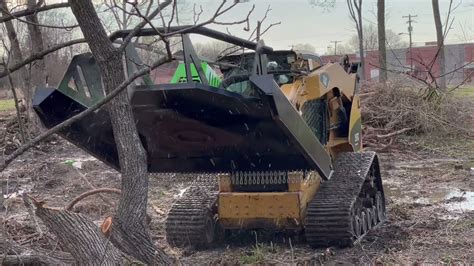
399 108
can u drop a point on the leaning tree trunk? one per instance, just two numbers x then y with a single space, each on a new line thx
381 40
355 12
440 42
129 231
16 55
36 43
361 40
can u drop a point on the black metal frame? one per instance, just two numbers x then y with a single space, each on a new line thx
190 56
193 29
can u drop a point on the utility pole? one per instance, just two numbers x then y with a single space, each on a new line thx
410 30
335 46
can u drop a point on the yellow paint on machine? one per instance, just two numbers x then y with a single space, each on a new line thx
285 210
259 205
310 87
355 124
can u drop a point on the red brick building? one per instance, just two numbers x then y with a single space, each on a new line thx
459 61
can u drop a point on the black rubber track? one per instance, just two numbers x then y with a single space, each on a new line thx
187 221
330 216
316 116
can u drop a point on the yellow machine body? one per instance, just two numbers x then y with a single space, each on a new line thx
282 210
287 210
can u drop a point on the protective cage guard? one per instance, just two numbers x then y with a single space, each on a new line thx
192 127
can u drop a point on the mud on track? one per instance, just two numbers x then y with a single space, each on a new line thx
430 210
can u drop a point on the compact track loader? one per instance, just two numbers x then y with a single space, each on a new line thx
280 130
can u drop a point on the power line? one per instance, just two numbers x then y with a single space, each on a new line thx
335 46
410 30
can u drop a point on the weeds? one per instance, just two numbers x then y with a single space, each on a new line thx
258 252
463 225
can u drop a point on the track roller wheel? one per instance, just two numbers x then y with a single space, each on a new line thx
374 216
356 228
370 218
363 222
380 207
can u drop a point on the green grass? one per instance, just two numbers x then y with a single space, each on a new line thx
7 105
464 92
257 253
464 225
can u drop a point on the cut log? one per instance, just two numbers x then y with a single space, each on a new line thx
80 237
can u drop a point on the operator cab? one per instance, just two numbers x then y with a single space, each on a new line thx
285 66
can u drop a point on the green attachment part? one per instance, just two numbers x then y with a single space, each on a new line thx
180 75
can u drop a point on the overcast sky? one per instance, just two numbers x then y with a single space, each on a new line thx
302 23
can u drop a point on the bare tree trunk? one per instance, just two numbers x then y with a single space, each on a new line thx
124 15
381 37
17 56
440 42
355 12
361 39
36 42
17 108
129 230
80 236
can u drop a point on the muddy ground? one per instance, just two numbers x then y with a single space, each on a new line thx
429 187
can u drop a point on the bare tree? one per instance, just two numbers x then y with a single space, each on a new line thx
210 51
326 4
15 53
39 75
440 43
52 36
371 42
33 10
381 40
467 31
342 49
129 225
355 12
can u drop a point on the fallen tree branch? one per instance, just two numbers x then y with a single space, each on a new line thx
140 25
84 178
38 56
398 132
71 204
29 207
31 11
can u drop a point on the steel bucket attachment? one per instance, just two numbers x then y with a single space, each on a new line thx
189 127
197 128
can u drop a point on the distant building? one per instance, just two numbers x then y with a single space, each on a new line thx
164 73
459 62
